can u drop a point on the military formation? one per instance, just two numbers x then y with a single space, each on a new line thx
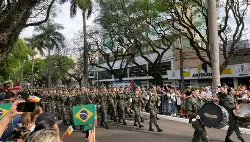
119 102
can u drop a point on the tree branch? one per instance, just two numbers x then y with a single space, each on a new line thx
46 18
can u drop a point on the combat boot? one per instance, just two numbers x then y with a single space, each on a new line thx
124 122
106 125
135 124
151 128
115 119
158 128
228 139
101 124
140 126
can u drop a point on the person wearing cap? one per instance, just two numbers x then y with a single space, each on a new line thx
111 99
102 100
193 105
232 104
121 98
153 106
137 103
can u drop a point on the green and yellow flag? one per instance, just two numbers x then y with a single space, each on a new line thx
84 115
4 109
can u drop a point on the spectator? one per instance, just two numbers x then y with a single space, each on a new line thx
178 101
7 118
9 97
45 135
188 93
173 100
206 94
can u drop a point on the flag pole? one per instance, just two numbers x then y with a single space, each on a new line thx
94 133
94 124
65 132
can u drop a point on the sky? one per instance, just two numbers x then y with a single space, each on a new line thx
73 25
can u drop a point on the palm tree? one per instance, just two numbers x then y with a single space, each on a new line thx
86 8
33 43
50 38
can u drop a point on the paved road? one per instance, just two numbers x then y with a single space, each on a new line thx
173 132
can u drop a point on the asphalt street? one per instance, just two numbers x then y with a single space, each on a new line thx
173 132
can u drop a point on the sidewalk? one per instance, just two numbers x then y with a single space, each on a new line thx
183 120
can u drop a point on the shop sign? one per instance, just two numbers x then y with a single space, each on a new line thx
202 75
242 70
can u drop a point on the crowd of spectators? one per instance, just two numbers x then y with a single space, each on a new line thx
37 126
173 101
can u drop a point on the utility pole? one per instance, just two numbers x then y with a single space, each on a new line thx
181 68
214 42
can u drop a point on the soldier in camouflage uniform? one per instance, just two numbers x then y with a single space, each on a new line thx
102 100
136 106
193 105
231 104
72 102
127 101
153 105
53 102
138 88
111 99
121 102
58 103
64 101
49 98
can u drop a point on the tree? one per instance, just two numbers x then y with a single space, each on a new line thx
50 38
38 73
135 25
59 67
110 51
33 43
86 8
14 17
19 54
183 17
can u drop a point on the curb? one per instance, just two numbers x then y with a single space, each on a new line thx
183 120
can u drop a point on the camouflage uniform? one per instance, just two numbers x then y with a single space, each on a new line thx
64 100
193 105
121 98
53 104
153 105
127 103
230 105
102 100
111 99
136 106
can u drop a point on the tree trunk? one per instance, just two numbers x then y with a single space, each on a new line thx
85 51
158 79
49 71
80 83
11 24
213 42
32 71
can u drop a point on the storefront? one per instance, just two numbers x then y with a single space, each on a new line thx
233 75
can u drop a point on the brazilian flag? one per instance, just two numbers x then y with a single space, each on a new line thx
4 109
84 115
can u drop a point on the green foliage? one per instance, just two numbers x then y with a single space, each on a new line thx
59 65
17 57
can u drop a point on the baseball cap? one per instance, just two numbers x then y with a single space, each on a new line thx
45 116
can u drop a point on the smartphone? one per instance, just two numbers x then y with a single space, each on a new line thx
26 107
